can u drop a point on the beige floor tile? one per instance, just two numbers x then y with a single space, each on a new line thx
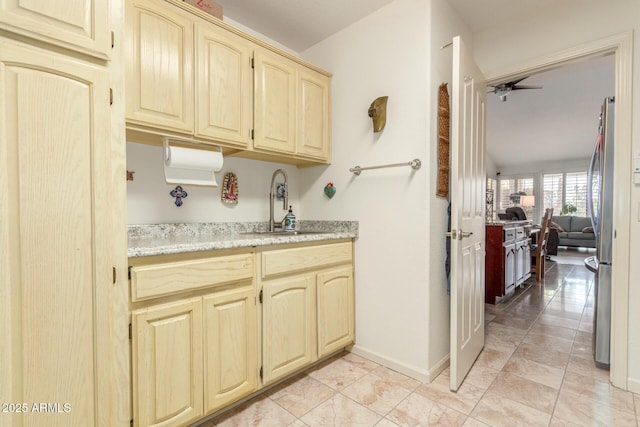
359 361
548 319
566 314
341 411
297 423
582 366
554 331
500 411
636 398
598 390
418 410
386 423
527 392
488 317
494 357
396 378
584 351
376 393
542 355
472 422
258 412
481 376
549 342
558 422
498 335
586 326
463 400
300 394
338 373
586 412
513 321
534 371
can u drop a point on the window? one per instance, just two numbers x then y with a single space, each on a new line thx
564 189
510 186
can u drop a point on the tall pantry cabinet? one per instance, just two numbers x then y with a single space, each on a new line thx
63 298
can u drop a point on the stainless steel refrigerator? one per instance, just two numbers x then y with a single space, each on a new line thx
600 206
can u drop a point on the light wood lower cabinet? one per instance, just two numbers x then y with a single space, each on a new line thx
336 323
167 364
230 359
307 307
288 335
195 329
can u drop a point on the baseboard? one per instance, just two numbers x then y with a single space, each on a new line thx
633 385
438 368
409 371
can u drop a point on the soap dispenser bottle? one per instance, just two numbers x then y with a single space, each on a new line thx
290 221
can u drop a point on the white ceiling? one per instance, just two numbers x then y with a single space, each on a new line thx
299 24
555 123
558 122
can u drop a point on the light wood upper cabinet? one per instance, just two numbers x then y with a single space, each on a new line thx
56 238
224 86
159 66
313 137
274 103
80 25
288 326
230 352
167 364
336 323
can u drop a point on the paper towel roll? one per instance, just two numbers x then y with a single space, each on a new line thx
191 166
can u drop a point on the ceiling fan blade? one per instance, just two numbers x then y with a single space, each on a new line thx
526 87
515 82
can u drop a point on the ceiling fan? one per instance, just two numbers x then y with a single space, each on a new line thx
503 89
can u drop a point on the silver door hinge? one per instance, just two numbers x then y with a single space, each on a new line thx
110 96
113 38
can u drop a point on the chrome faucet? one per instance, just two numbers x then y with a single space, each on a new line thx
273 194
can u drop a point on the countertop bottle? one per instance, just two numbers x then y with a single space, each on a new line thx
290 221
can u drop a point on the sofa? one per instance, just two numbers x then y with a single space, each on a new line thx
574 231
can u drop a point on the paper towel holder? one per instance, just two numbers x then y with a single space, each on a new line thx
166 144
196 173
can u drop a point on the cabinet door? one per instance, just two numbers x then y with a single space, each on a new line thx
55 237
167 364
159 70
288 327
274 103
224 87
335 310
313 137
509 268
230 347
81 25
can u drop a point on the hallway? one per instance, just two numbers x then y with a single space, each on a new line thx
536 370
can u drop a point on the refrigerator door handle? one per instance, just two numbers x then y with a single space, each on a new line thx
592 164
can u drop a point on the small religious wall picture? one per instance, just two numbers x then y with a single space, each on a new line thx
229 192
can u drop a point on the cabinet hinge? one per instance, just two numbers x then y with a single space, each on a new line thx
129 273
260 296
253 65
110 96
130 334
252 134
114 275
131 424
113 38
261 372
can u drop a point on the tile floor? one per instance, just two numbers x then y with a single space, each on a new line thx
536 369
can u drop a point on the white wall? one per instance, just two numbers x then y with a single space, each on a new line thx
567 24
399 263
149 201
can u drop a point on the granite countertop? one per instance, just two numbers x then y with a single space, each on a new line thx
164 239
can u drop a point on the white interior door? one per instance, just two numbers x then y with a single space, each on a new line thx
468 180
